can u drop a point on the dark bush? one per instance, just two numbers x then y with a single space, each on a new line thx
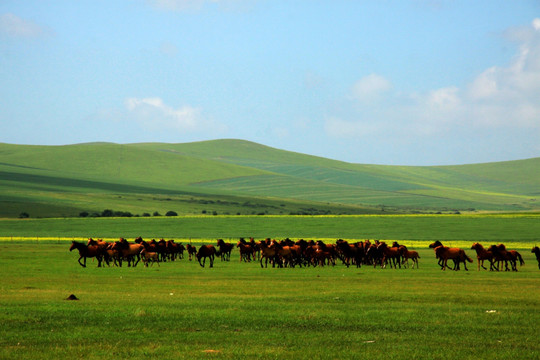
171 213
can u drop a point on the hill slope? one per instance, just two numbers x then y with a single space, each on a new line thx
238 176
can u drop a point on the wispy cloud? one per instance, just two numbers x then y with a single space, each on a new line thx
497 98
13 26
154 115
195 5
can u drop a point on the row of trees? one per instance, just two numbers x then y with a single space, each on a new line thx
112 213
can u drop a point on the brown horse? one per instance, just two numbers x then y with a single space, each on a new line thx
86 251
444 253
481 255
129 252
246 251
408 254
536 251
206 251
225 250
191 250
390 255
500 254
267 252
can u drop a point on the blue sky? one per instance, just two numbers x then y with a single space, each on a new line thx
411 82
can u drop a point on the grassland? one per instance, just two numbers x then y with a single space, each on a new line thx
238 310
239 177
492 228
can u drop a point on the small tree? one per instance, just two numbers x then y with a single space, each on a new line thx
24 215
171 213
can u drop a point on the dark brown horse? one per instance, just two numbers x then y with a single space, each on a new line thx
500 254
481 255
86 251
444 253
536 251
206 251
225 250
246 251
191 250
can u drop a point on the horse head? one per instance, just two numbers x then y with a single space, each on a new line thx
435 244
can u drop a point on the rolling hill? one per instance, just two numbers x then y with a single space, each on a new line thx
241 177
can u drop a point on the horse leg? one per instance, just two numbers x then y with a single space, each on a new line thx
82 257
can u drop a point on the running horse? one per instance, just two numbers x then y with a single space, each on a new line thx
88 251
444 253
500 254
483 254
224 250
536 251
206 251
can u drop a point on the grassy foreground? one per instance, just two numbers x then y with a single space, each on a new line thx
238 310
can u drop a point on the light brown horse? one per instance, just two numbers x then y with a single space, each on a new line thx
267 253
407 254
206 251
444 253
481 255
86 251
129 252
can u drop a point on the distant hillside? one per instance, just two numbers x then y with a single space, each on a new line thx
241 177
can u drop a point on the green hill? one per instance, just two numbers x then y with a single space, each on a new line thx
241 177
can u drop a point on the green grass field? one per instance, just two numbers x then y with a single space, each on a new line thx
238 310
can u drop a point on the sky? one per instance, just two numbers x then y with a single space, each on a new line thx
409 82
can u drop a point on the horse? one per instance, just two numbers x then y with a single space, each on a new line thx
501 254
225 250
149 257
408 254
443 253
86 251
349 252
128 251
267 252
174 249
285 254
481 255
192 251
246 250
536 251
391 254
206 251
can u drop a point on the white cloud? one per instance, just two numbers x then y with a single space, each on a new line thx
195 5
14 26
370 87
501 97
154 114
179 5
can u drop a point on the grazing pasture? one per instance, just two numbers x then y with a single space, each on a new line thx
240 310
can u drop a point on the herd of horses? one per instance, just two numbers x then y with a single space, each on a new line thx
289 253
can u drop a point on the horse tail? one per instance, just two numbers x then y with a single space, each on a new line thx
468 258
521 262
